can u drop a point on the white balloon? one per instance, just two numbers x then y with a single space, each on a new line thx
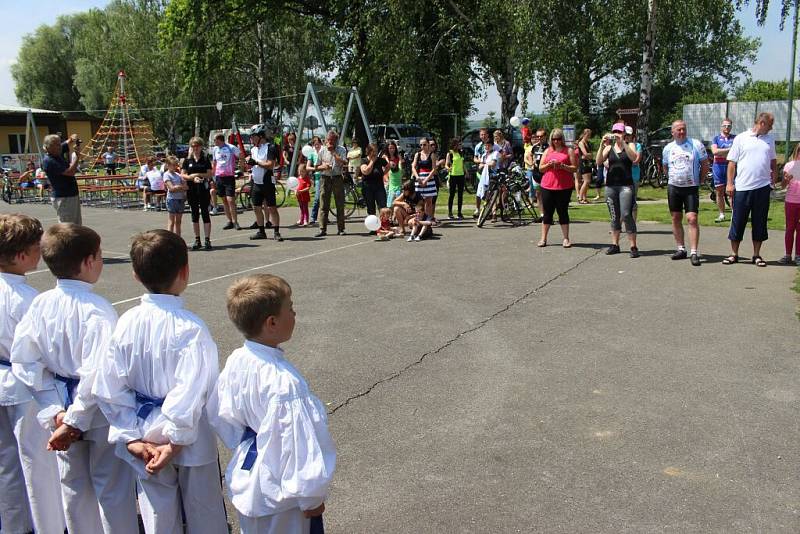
514 121
308 150
372 223
292 182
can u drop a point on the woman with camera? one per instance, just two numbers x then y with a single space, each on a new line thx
620 196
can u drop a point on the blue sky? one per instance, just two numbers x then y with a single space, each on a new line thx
20 18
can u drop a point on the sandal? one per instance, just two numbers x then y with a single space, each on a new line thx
730 260
758 261
566 244
541 244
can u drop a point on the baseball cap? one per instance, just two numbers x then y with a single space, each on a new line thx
628 130
618 128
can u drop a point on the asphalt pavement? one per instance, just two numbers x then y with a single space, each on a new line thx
477 383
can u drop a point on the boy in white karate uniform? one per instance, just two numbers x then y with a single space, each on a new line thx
284 456
153 387
57 348
31 495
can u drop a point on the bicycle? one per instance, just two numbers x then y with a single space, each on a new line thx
244 195
352 198
507 192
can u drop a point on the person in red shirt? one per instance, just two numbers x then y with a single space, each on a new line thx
303 191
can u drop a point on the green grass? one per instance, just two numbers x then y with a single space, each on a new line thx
659 213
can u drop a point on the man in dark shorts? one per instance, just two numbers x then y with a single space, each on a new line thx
752 166
61 175
686 162
223 157
719 170
263 158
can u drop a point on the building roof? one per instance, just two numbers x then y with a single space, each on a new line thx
23 110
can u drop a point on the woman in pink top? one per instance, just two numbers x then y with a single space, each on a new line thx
791 181
558 166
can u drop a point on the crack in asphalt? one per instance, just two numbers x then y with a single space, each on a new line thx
448 343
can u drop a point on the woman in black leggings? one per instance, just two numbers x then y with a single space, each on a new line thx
455 166
196 170
558 166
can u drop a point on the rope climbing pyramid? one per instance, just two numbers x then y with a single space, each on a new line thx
123 132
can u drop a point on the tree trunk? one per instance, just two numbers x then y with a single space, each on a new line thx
509 95
648 51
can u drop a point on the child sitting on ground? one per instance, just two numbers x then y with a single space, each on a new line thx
31 496
421 224
404 206
386 232
58 346
176 195
153 387
303 192
283 457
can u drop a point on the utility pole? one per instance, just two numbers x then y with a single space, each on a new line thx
791 85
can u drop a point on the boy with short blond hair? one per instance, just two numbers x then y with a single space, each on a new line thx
161 366
57 348
263 409
31 495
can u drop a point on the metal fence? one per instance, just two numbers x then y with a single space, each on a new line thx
703 120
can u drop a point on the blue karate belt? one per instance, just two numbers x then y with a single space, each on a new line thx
5 363
146 404
252 452
71 384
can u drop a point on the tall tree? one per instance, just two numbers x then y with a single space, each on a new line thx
45 68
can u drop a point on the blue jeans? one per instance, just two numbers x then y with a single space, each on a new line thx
315 207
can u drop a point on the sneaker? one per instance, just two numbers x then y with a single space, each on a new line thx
341 232
267 225
253 226
786 260
720 219
460 217
218 210
635 252
228 226
258 235
450 217
416 238
236 225
197 244
208 244
321 233
278 237
410 238
680 254
144 208
613 249
695 260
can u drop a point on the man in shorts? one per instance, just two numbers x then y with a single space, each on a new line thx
752 166
686 162
223 160
263 159
719 147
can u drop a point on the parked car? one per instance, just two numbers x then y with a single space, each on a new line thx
407 136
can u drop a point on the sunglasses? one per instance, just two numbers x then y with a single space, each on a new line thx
727 126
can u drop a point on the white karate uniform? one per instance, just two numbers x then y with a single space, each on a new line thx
31 494
66 332
295 456
164 353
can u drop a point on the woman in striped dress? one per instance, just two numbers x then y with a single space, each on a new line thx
422 172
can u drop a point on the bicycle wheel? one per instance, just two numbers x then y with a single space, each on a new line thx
470 182
350 203
488 206
244 197
280 194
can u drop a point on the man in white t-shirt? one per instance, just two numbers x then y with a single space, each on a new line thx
686 162
223 160
752 165
263 159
